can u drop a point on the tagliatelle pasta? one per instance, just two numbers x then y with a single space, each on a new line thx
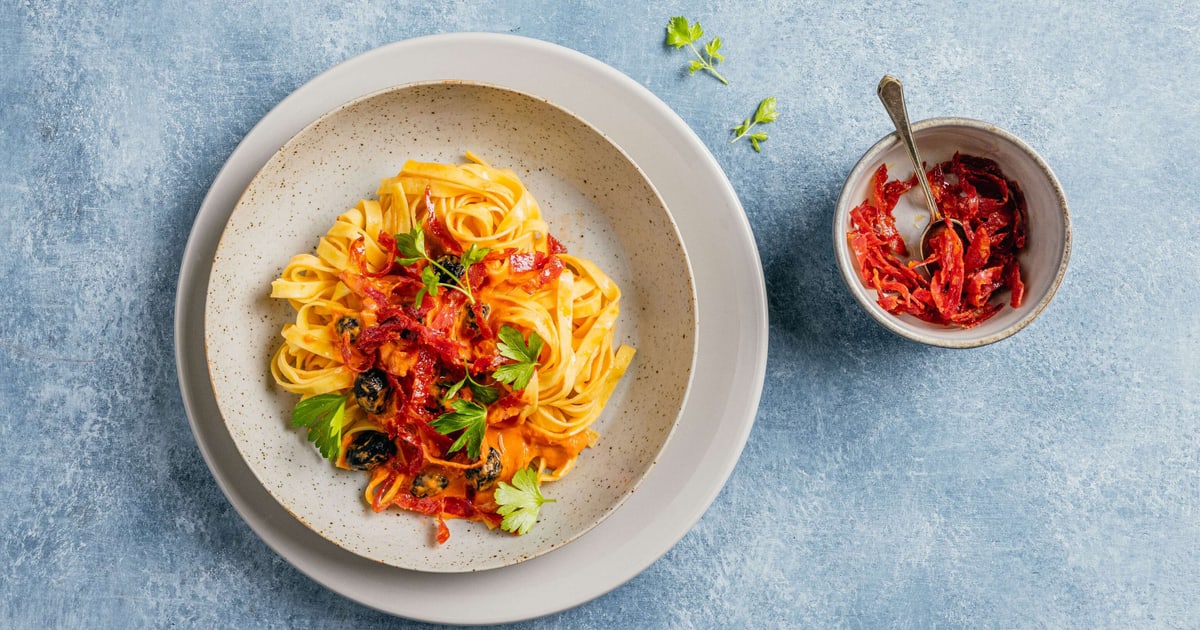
445 341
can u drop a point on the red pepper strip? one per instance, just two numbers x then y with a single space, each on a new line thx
487 364
521 263
437 230
411 453
885 193
947 281
881 224
398 399
549 272
877 181
553 246
892 267
443 532
389 249
444 314
859 245
459 507
351 357
476 276
448 350
978 251
547 266
979 165
370 339
1018 200
936 177
427 506
981 285
975 317
377 293
423 374
1015 284
380 490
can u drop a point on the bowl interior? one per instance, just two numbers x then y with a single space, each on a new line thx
597 202
1043 261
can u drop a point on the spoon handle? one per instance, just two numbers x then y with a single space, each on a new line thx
891 93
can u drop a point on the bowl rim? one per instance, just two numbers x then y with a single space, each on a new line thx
850 275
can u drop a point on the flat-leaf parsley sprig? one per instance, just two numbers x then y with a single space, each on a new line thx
411 247
323 415
471 418
512 346
680 33
520 502
765 113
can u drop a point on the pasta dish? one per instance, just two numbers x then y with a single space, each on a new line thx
449 346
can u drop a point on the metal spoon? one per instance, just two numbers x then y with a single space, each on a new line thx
891 93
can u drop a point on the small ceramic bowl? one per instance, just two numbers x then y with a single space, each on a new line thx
1043 260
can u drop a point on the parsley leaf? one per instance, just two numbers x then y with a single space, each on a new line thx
474 254
471 419
323 415
520 502
411 247
453 390
483 394
429 277
765 113
512 345
480 393
680 33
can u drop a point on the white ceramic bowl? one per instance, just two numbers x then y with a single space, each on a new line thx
596 201
1047 248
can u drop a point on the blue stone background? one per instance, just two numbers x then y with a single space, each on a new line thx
1052 479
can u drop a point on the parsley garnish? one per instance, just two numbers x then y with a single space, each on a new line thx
512 345
764 114
323 416
411 247
473 255
680 34
520 502
471 419
480 393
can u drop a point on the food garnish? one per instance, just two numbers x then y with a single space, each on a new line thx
480 393
323 416
765 113
412 248
520 502
512 345
469 417
965 274
680 33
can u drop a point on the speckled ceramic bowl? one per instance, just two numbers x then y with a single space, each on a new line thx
597 202
1048 245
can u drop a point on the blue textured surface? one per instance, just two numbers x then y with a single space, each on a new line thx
1052 479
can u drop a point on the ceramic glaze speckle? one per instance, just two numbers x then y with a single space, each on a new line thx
615 218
